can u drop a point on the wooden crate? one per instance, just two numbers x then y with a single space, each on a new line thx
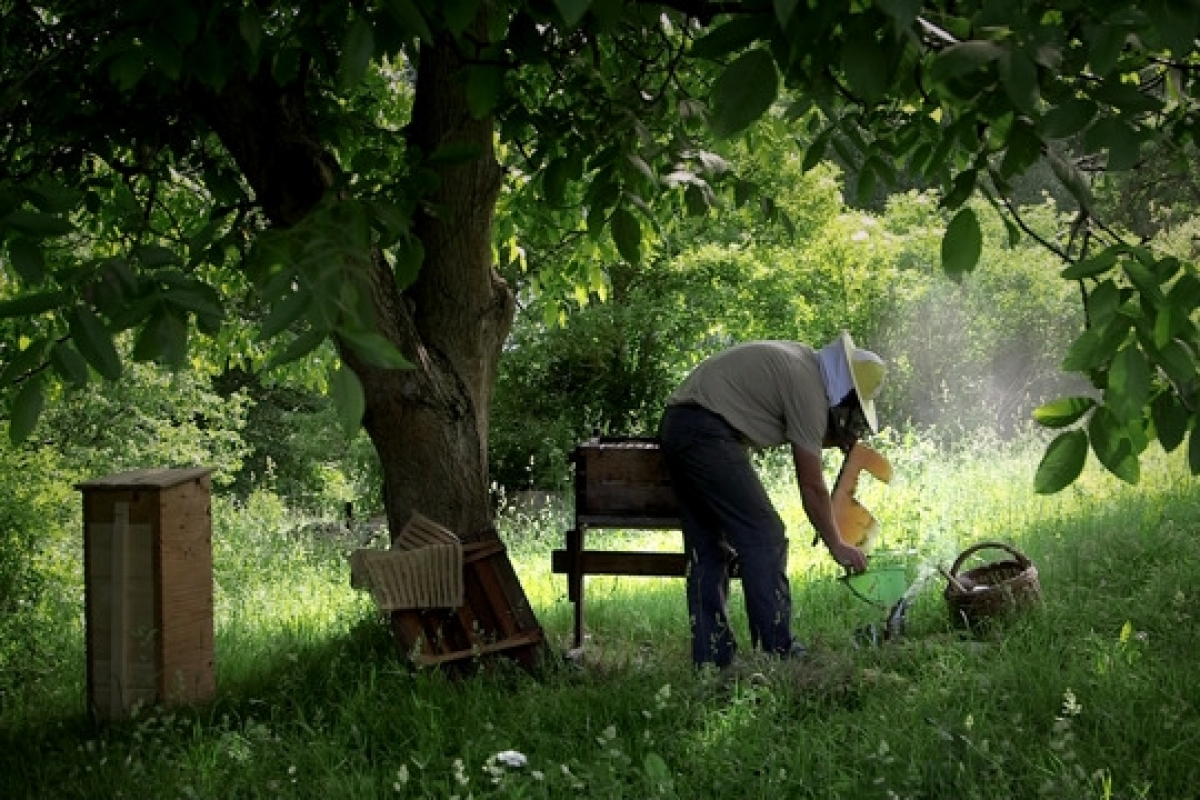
149 589
495 618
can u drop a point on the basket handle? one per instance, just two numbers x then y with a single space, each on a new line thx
965 554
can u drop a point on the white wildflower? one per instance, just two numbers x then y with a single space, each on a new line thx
512 759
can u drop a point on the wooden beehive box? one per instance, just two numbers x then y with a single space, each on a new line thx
623 483
149 588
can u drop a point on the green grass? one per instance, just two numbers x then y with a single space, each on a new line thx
1092 697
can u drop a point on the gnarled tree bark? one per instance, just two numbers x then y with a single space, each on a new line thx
429 424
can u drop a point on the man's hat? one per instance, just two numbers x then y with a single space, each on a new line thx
866 371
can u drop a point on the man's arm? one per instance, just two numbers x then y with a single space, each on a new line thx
814 493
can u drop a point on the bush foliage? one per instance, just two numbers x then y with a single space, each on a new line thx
967 356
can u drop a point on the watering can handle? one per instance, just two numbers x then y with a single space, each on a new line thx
845 578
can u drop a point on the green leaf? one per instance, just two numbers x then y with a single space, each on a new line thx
69 364
1170 420
1019 76
744 191
572 11
1127 99
410 18
459 14
163 339
1069 118
1177 361
743 92
375 349
25 361
1128 384
627 234
127 69
1022 150
1176 24
729 37
1104 43
409 254
30 305
962 59
348 398
1096 345
815 152
784 10
865 188
299 347
165 54
28 260
1185 294
960 192
1119 139
94 342
1063 412
962 244
1091 267
1105 302
866 68
153 256
1143 279
1112 445
283 314
180 20
199 299
1062 462
902 12
251 29
558 174
483 89
358 47
26 409
36 224
54 198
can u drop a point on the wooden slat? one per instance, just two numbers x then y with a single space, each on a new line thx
187 649
155 478
628 522
622 478
620 562
526 639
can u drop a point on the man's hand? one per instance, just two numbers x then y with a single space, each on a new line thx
848 556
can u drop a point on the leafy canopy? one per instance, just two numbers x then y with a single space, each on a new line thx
136 208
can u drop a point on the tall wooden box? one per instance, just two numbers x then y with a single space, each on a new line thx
149 588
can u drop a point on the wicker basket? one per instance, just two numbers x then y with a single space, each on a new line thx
992 590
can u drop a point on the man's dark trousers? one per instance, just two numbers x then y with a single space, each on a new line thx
724 505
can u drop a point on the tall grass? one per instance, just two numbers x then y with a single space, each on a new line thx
1093 696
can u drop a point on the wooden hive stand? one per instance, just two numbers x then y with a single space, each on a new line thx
620 483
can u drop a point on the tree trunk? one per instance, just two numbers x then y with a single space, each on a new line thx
429 424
